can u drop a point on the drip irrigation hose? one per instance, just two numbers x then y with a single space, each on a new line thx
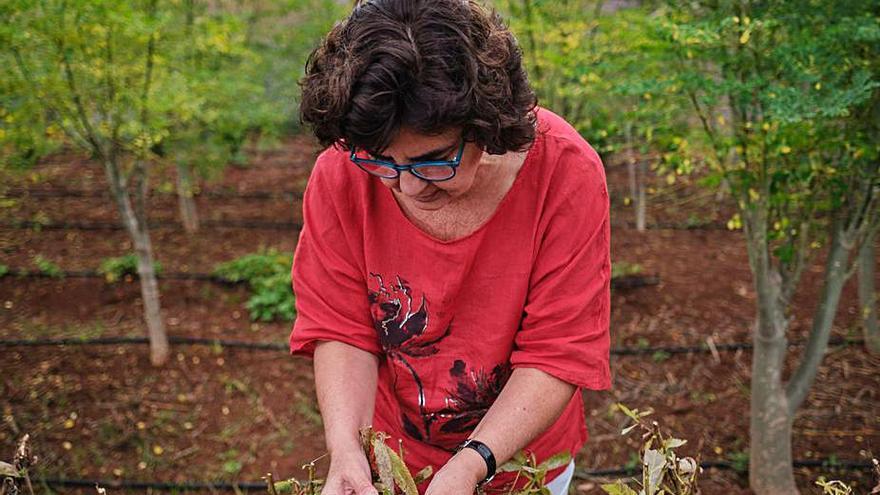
240 344
619 282
268 224
84 193
90 226
579 473
208 277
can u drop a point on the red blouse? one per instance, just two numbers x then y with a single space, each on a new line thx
451 319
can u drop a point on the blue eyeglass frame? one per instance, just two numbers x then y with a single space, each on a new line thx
413 167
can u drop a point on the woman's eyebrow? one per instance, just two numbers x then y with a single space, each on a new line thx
434 153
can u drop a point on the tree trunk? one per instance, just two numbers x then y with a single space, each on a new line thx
832 286
641 205
159 349
631 175
770 459
136 226
188 214
868 295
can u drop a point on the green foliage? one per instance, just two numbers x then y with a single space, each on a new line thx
48 267
624 268
786 95
173 81
739 460
268 275
526 467
3 270
116 268
589 65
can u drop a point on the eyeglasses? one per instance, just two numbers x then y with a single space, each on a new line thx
430 171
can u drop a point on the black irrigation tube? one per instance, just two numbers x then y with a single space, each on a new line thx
275 225
17 272
83 193
620 282
262 486
216 224
273 346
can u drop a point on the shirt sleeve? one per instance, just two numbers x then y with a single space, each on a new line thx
330 290
565 327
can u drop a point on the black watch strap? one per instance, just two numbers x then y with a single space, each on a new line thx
487 455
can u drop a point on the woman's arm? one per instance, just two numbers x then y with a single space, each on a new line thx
528 404
345 379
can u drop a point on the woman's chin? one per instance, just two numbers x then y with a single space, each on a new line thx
434 202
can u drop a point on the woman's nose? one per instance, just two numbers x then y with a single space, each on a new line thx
410 184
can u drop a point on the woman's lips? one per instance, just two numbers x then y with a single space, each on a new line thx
427 198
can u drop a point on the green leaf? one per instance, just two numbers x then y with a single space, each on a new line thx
556 461
423 475
633 415
401 474
618 488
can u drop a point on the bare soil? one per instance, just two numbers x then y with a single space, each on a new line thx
104 412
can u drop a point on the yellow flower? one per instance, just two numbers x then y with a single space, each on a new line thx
158 450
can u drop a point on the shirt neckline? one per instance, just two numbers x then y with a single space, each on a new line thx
527 163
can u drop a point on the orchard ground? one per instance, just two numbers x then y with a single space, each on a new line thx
211 413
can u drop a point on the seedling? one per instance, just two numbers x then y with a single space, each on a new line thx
268 274
117 268
15 476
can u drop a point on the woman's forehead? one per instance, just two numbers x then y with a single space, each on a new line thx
413 144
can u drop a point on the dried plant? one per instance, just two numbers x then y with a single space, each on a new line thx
391 476
837 487
15 474
663 472
387 466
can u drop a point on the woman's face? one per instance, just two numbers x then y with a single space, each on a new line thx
409 147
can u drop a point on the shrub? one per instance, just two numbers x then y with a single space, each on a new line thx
48 267
115 269
268 275
624 268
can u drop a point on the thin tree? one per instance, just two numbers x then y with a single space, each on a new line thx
787 99
93 66
868 295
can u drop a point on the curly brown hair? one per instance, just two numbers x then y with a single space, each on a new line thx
427 65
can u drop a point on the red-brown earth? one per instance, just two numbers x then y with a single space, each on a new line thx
104 412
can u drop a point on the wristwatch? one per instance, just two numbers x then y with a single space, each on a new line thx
487 455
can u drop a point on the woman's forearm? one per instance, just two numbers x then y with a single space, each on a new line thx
345 379
528 404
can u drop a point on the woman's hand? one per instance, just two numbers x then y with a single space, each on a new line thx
459 476
349 474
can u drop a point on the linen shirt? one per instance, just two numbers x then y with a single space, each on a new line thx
450 320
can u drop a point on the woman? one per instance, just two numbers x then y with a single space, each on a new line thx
452 275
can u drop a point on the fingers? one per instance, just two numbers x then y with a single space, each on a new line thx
366 489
